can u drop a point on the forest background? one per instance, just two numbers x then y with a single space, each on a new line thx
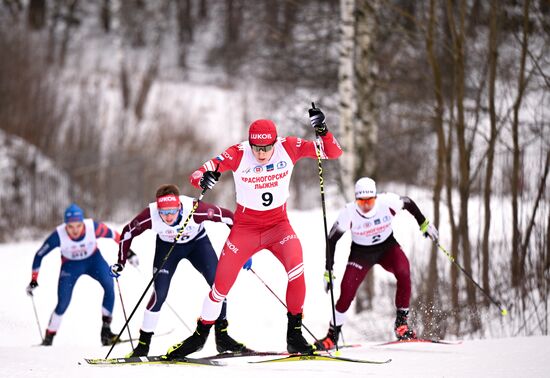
103 100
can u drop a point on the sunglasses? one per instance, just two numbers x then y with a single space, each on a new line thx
267 148
366 201
168 211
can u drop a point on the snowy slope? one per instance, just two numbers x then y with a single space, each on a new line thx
256 318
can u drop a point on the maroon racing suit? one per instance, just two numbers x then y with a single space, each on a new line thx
372 243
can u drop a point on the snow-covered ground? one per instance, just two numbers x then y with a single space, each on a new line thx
256 318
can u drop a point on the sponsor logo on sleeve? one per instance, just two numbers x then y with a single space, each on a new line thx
281 164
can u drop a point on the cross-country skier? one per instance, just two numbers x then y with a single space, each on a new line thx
77 241
261 168
166 217
369 218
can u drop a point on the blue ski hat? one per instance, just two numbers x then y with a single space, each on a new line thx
74 213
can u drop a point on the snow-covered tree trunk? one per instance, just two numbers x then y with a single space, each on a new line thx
346 92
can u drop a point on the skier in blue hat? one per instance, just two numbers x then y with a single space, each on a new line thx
77 241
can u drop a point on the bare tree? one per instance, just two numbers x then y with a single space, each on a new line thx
516 263
487 194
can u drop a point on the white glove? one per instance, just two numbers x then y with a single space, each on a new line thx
133 258
326 280
429 230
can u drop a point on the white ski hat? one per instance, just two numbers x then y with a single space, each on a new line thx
365 187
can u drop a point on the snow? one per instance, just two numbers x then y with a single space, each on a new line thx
256 317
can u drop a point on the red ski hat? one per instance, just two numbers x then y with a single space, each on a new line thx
262 132
168 201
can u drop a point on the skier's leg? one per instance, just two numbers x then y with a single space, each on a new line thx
396 262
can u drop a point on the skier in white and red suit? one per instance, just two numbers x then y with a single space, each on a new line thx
369 219
261 167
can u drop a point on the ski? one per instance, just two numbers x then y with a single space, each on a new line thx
248 353
318 357
421 340
255 353
151 360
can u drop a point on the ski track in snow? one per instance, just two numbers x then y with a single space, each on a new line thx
256 318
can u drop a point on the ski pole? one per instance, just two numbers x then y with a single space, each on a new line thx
280 301
170 307
177 238
36 317
503 311
124 312
322 187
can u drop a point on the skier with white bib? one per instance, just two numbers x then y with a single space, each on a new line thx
165 217
77 241
369 218
262 167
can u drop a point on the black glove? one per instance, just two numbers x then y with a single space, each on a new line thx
209 179
33 285
115 270
317 120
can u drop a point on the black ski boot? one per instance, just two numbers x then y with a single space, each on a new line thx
142 348
48 338
295 342
330 340
192 344
402 330
224 342
107 337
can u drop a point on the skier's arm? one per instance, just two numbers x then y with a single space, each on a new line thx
298 148
103 231
333 237
226 161
209 212
427 229
411 207
136 227
339 228
50 244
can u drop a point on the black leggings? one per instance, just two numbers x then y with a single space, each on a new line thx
200 254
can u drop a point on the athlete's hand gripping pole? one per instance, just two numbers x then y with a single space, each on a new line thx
317 120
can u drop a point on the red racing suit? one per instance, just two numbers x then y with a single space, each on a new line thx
261 220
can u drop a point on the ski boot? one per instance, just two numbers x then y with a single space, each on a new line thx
107 337
224 342
48 338
295 342
142 348
402 330
331 339
192 344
